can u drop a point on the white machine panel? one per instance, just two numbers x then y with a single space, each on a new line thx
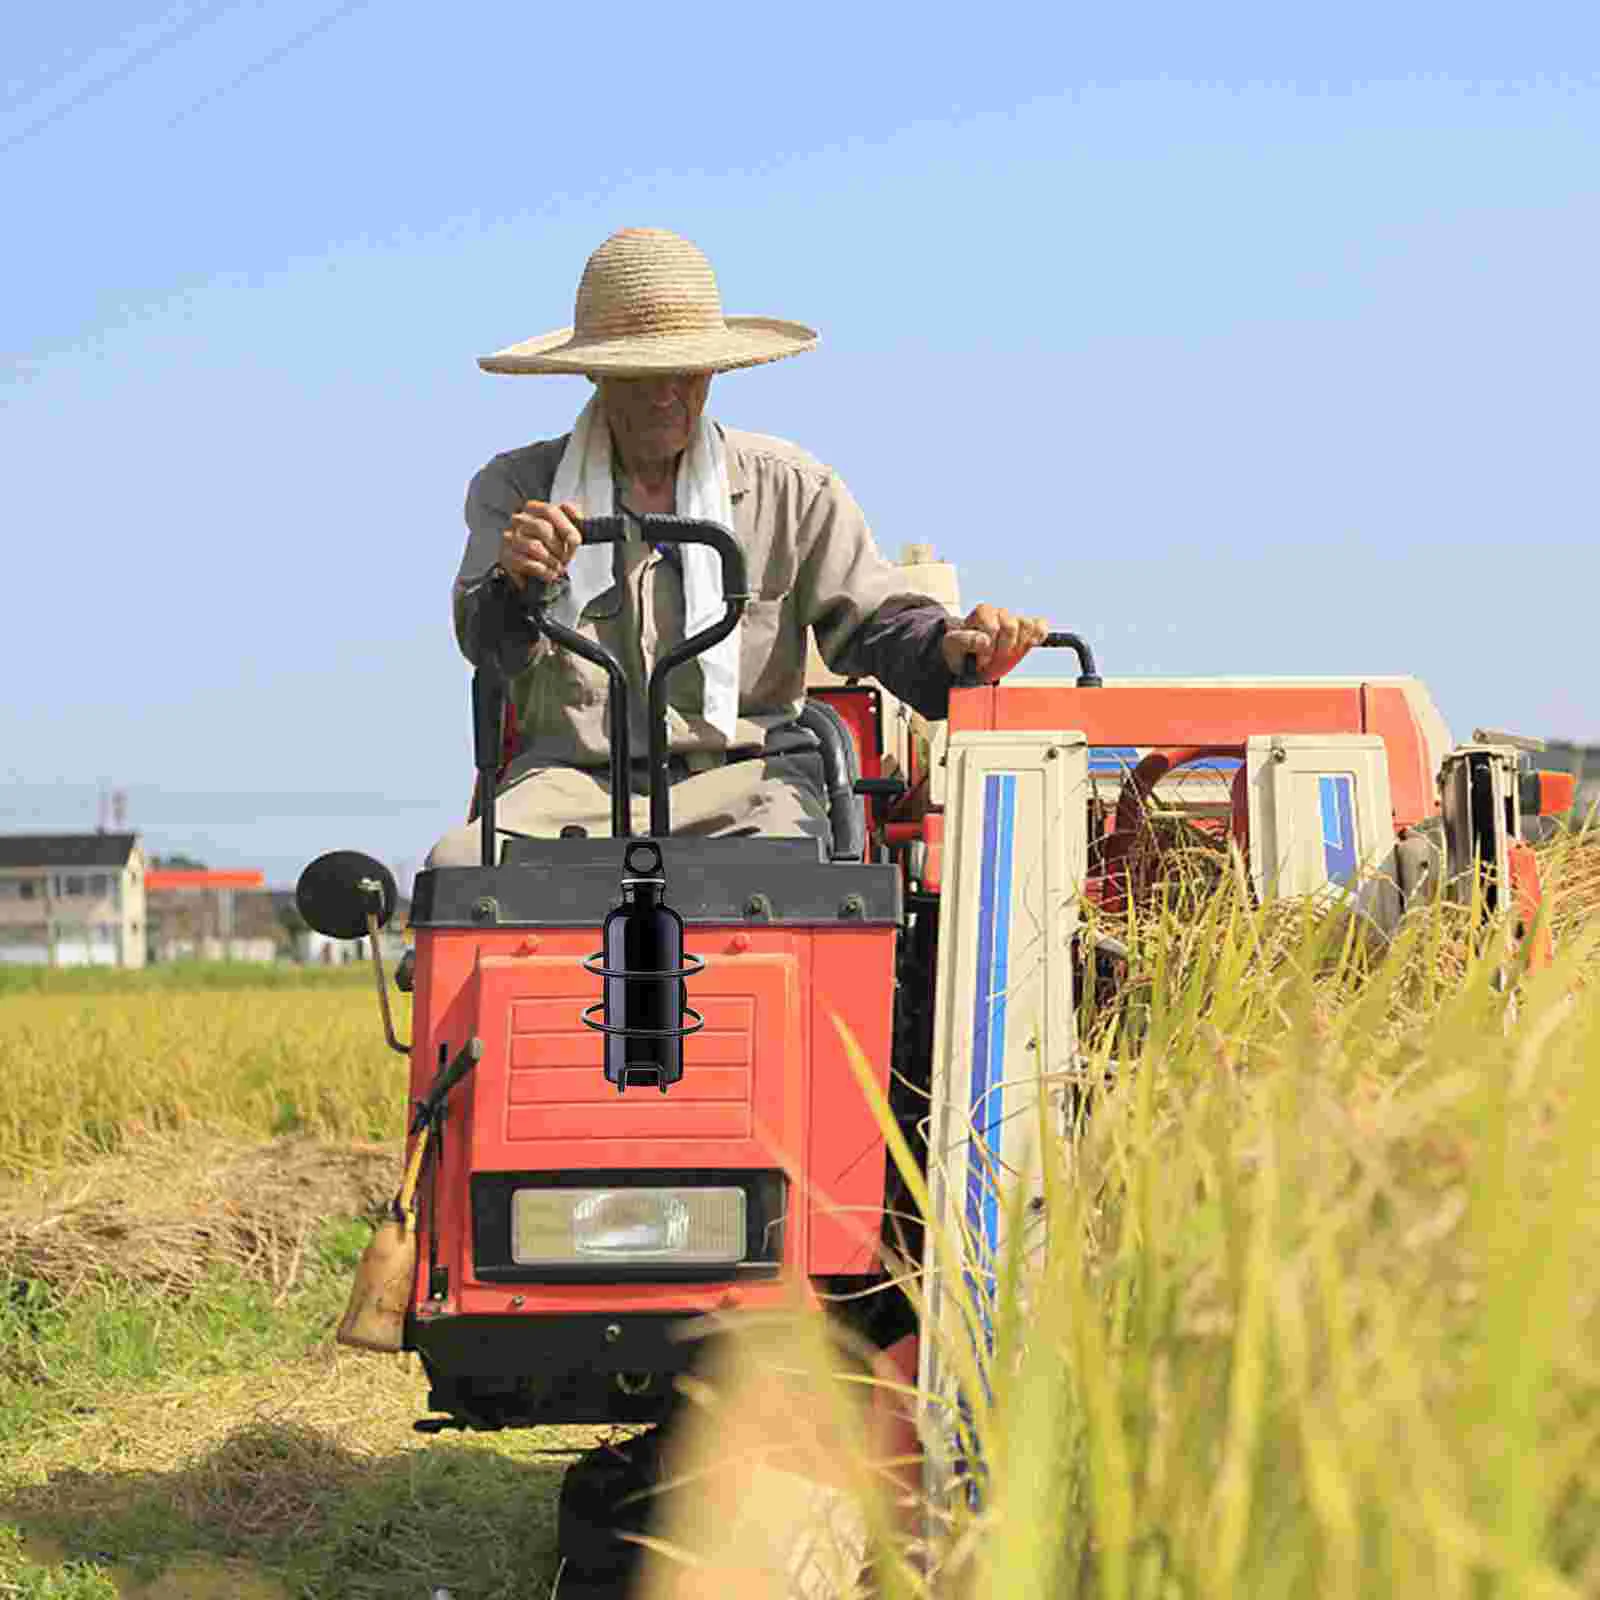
1320 811
1016 848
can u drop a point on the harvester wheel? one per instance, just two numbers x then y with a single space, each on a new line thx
597 1509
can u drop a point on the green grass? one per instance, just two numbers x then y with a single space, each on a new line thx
25 1579
141 1428
181 977
63 1356
327 1523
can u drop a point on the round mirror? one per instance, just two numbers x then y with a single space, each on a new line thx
337 890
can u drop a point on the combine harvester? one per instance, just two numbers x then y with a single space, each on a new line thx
632 1105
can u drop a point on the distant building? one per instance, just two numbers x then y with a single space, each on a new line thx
72 899
318 950
196 914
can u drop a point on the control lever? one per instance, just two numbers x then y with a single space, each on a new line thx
1088 676
881 794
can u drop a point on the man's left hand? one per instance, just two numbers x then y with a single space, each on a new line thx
997 638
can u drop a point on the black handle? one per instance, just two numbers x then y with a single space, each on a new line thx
1088 676
686 530
535 599
880 794
659 528
880 788
655 528
467 1057
602 530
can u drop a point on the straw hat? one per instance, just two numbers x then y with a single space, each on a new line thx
648 303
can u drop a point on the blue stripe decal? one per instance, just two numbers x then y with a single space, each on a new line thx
997 1013
1337 794
987 1094
978 1089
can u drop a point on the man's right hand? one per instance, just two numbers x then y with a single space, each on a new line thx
540 542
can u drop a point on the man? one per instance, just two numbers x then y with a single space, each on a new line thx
649 333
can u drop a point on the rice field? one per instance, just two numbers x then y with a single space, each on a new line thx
85 1070
1320 1314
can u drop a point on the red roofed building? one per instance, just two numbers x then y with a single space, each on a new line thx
212 915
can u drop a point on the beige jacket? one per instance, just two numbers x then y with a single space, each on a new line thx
811 563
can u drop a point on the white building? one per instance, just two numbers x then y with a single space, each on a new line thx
72 899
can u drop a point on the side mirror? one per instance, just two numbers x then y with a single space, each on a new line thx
337 890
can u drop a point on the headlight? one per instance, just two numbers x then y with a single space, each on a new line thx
567 1227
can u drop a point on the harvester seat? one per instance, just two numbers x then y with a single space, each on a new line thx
840 769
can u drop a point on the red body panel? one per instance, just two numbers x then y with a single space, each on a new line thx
861 706
1558 792
766 1085
1527 887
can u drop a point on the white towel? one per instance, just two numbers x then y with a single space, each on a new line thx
585 478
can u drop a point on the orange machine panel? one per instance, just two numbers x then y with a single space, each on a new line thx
556 1108
853 975
1163 716
766 1085
1412 789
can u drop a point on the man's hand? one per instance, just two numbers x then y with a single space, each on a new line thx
540 542
997 638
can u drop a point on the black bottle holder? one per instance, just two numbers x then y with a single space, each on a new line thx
663 926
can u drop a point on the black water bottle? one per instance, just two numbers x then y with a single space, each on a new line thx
644 939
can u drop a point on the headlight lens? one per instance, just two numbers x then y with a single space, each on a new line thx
574 1227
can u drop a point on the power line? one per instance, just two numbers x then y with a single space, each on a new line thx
338 14
121 73
178 35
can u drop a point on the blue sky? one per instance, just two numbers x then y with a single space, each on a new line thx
1243 340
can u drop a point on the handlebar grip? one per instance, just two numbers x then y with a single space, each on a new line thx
534 595
601 530
659 528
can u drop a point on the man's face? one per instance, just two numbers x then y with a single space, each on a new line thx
652 419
